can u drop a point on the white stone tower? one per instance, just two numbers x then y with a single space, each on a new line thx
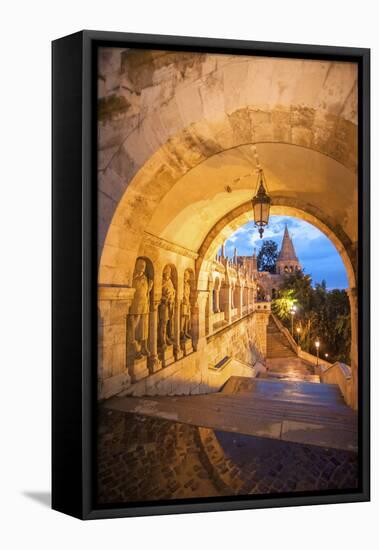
287 260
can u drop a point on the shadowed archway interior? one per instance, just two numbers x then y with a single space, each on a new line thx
203 390
177 172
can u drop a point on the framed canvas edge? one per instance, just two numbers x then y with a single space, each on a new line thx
91 39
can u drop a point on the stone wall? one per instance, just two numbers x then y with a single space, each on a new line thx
236 350
341 375
224 321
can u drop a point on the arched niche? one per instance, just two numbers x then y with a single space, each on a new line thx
138 326
168 329
216 295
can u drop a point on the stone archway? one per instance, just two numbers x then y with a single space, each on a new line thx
204 194
285 206
175 162
193 215
164 114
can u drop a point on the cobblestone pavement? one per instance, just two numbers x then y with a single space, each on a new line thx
270 466
143 458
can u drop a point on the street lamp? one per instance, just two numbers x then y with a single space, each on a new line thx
292 311
326 355
298 335
317 344
261 204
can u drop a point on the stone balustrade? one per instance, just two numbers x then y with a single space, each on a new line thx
340 374
166 318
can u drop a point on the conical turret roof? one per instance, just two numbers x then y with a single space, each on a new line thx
287 252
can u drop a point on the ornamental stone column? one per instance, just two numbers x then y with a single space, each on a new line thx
209 311
154 364
239 301
217 299
226 302
178 352
198 320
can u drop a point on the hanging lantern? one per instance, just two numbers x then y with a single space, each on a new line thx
261 204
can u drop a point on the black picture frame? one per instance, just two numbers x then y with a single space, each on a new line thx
75 264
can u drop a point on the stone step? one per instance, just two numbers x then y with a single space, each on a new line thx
288 368
284 389
294 419
270 358
281 355
279 352
277 355
288 365
288 351
280 349
291 376
276 346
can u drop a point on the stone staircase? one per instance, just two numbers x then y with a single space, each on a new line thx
281 430
282 362
285 403
277 344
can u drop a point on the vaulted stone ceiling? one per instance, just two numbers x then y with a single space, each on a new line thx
218 185
176 129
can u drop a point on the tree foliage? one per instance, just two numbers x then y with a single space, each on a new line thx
283 304
321 314
267 256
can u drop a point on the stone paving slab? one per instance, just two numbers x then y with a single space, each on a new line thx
317 434
286 411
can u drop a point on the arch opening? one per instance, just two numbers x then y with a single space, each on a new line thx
298 176
225 228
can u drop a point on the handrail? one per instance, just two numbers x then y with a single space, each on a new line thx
297 349
340 374
313 359
345 369
330 373
286 333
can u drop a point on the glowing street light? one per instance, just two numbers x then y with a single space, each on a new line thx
317 344
298 335
326 355
292 311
